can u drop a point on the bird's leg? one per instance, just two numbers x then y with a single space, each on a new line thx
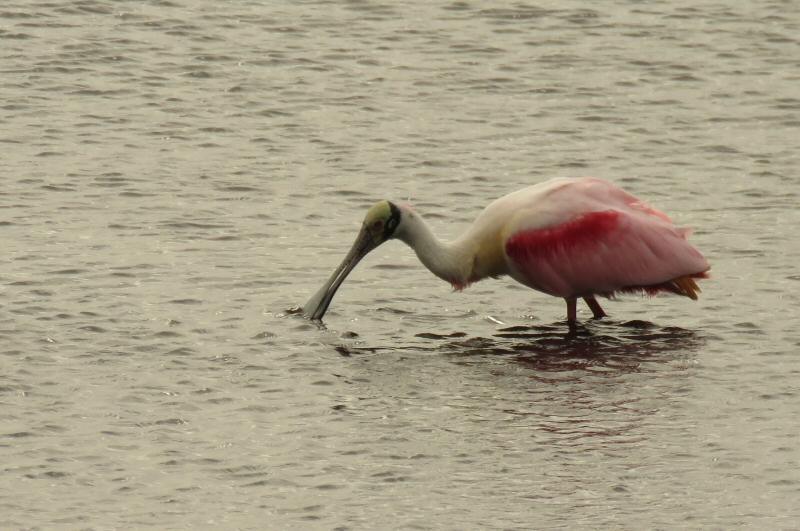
572 310
597 311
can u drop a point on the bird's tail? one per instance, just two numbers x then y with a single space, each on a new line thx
685 286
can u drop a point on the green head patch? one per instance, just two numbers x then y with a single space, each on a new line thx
382 220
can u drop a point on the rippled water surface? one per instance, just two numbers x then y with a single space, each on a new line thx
177 175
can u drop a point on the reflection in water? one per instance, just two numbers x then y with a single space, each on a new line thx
598 387
621 346
602 344
604 389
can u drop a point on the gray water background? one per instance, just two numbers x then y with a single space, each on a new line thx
177 175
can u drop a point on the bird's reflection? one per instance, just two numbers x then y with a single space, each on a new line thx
595 387
601 345
597 345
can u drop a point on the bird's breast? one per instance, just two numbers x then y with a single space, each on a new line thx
489 259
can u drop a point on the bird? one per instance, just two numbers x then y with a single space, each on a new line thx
573 238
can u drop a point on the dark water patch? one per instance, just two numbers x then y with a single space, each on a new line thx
395 267
390 476
597 118
29 310
394 311
42 292
432 335
100 93
719 148
328 486
93 329
220 400
167 334
18 434
25 283
638 324
574 164
256 368
273 113
749 328
458 6
215 58
134 194
181 351
55 187
473 49
193 225
255 408
244 471
111 181
239 188
186 301
786 482
15 36
50 474
348 193
75 271
259 483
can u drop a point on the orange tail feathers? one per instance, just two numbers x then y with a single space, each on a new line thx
685 286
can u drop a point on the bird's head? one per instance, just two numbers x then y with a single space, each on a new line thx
380 224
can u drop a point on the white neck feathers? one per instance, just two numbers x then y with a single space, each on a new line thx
448 261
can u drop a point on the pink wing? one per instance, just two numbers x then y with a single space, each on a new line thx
609 241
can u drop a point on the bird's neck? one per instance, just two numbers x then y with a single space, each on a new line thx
451 262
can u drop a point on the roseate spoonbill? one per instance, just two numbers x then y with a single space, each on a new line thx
570 238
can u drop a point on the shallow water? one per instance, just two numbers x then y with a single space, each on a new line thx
178 175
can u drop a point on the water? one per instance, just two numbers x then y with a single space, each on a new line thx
178 175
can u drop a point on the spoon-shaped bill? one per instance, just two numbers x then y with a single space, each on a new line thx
317 305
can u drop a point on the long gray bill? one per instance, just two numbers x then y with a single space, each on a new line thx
317 305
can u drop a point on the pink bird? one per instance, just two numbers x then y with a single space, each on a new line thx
570 238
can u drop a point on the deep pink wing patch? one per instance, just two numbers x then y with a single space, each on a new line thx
580 234
603 252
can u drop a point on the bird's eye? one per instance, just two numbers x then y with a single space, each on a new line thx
377 224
